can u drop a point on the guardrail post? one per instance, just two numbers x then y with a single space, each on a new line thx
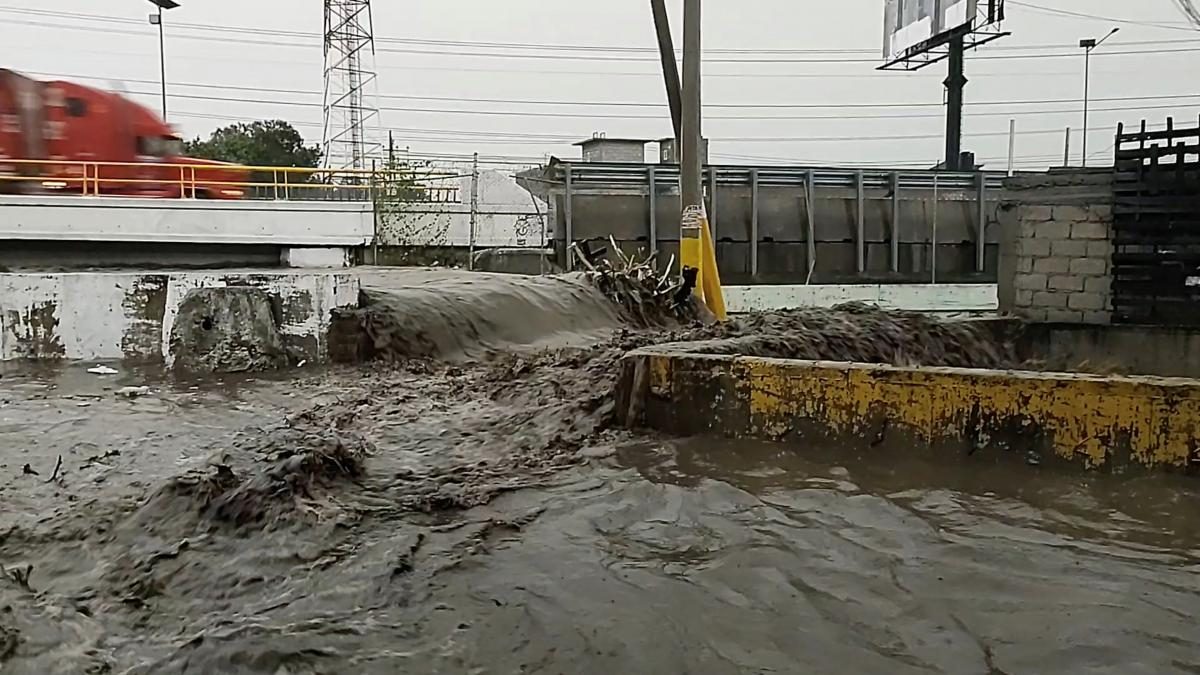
275 182
754 223
810 191
933 235
981 231
569 222
652 181
860 244
895 242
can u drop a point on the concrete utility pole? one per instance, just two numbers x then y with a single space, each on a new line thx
691 185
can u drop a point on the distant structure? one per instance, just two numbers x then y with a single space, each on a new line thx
603 149
352 134
920 33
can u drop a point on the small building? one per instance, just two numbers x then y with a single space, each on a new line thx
669 154
601 149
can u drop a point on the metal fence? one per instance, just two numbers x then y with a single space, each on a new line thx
1156 226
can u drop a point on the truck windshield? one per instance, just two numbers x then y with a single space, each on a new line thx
159 146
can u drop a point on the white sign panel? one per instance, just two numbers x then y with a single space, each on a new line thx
910 22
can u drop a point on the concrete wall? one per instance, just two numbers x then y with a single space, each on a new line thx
1109 423
940 298
1056 248
129 315
1128 350
508 216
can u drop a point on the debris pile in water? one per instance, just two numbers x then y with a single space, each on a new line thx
635 285
288 469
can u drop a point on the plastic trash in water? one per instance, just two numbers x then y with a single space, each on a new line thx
133 392
102 370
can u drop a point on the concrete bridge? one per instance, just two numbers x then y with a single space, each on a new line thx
59 231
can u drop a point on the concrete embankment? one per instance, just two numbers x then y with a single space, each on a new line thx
1093 421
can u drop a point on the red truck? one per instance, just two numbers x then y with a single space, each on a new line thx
64 138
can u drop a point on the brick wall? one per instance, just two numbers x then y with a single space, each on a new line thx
1056 248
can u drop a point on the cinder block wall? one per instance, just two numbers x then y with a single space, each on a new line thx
1056 247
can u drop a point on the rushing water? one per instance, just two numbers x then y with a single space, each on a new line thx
652 556
482 518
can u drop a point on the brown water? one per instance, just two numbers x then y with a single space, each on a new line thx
483 518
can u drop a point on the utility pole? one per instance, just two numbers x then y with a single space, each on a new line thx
666 52
691 186
474 212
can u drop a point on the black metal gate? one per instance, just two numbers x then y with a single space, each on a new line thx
1156 226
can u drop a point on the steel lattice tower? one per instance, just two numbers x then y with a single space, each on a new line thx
352 135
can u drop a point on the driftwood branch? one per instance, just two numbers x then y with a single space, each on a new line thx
57 468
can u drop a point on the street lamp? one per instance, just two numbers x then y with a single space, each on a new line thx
1088 45
157 20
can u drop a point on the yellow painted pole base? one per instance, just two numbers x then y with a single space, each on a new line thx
697 251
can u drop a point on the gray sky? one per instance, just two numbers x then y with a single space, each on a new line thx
834 47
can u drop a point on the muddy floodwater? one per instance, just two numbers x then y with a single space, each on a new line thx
480 517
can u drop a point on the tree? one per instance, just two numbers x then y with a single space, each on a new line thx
263 143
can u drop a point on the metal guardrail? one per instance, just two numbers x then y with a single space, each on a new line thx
636 175
217 181
971 187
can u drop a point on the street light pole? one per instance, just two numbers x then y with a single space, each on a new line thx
1088 45
157 20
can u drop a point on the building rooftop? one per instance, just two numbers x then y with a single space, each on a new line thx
610 139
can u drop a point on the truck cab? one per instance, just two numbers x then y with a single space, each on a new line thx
63 137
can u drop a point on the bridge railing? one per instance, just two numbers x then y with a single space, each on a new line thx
204 180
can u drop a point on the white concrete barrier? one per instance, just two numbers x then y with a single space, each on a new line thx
128 315
950 298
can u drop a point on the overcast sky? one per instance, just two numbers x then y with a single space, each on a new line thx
270 66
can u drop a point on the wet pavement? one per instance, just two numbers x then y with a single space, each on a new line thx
638 554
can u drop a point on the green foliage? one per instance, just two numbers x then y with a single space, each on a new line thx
263 143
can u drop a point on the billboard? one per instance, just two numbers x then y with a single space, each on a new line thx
910 23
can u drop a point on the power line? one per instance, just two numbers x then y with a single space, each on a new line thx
1189 10
519 113
539 46
1083 15
595 59
630 104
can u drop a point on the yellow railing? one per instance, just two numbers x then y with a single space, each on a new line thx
222 181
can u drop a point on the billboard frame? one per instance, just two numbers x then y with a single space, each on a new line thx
982 29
